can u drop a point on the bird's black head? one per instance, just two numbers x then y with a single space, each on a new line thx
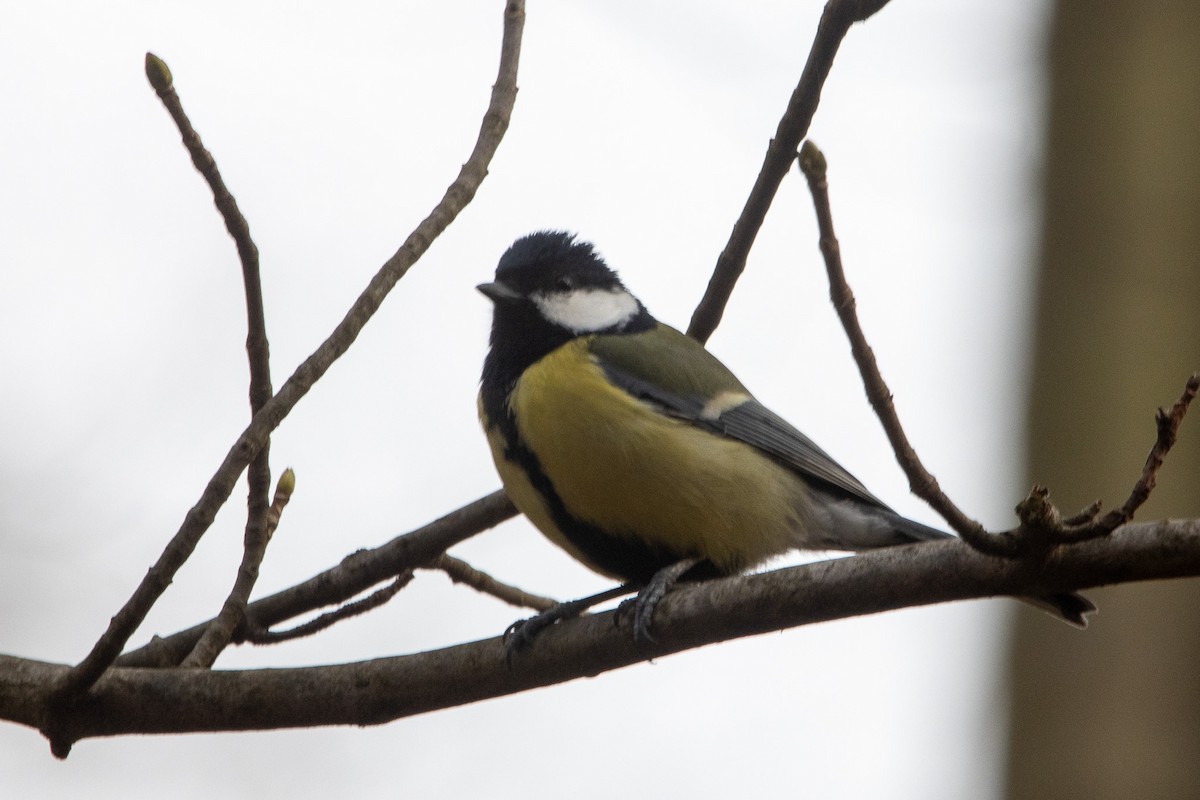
554 262
549 289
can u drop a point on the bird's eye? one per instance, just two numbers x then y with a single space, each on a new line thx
564 283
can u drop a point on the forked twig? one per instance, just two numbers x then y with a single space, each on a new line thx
220 631
331 618
220 486
458 570
1088 524
357 573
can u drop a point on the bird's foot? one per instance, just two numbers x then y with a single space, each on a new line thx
643 605
520 634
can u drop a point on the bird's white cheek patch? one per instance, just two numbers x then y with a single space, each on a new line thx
587 310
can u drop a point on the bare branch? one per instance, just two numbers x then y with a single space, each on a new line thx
219 633
127 701
357 573
920 480
259 476
836 20
1042 526
1168 423
460 571
162 82
200 517
331 618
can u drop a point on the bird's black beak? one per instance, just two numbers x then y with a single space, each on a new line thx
499 292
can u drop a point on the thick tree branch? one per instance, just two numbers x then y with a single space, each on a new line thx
200 517
835 23
356 574
95 699
127 701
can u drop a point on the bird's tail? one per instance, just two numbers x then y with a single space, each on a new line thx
856 526
1071 607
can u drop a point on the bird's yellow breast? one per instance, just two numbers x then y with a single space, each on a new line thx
620 465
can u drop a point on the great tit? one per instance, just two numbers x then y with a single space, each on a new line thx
634 449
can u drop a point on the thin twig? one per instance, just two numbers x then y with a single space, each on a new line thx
920 480
258 477
460 571
219 633
162 81
220 486
331 618
836 20
1042 526
356 574
1168 423
1085 515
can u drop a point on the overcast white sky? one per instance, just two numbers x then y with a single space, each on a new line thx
641 125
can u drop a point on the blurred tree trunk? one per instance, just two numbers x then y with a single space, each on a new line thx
1115 712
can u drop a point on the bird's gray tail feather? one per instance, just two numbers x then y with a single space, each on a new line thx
857 526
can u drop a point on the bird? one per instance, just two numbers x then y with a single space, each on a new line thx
638 452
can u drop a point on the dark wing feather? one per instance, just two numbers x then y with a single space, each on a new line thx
755 424
683 383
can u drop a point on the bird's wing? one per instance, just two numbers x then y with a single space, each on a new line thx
754 423
689 383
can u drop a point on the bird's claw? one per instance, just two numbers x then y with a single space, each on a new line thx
520 634
646 602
